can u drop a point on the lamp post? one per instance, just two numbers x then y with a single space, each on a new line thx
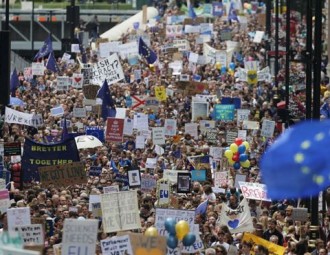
277 12
287 61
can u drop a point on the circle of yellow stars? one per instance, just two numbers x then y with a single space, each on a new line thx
299 158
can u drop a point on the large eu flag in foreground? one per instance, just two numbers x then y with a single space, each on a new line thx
297 165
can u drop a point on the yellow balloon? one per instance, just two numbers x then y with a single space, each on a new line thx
218 65
246 163
246 144
231 162
229 154
151 231
233 147
181 228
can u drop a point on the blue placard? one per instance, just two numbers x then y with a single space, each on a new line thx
122 178
232 100
97 132
224 112
36 155
95 171
198 175
217 9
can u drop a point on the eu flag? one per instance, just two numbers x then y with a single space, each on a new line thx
65 132
297 164
14 82
51 63
108 105
202 208
146 52
46 48
191 11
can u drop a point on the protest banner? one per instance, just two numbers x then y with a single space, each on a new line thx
31 234
110 69
4 200
162 214
79 236
224 112
16 117
158 135
63 175
36 155
148 182
18 217
253 190
117 245
237 220
255 240
115 129
120 211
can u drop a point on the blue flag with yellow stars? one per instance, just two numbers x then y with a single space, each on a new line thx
297 164
146 52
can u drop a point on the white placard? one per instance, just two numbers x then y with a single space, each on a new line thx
177 215
172 175
216 152
79 235
17 117
117 245
248 124
200 110
31 234
77 80
139 142
131 48
242 134
110 69
38 68
75 48
193 57
110 189
220 179
17 251
141 121
151 163
62 83
242 115
268 127
79 112
128 127
258 36
18 217
57 111
191 128
253 190
158 135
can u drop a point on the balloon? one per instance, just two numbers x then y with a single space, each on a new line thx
218 65
189 239
151 231
235 158
241 149
231 162
238 141
229 154
246 144
245 163
232 65
237 165
182 228
246 5
233 147
223 69
170 225
243 157
172 241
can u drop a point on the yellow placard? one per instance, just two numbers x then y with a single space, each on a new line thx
160 93
252 77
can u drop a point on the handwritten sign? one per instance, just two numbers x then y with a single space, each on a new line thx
18 217
142 244
158 135
117 245
267 129
255 191
79 236
110 69
63 175
220 179
79 112
31 233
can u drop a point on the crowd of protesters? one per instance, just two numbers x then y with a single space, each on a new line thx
272 220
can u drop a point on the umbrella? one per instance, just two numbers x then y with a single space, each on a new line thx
16 101
87 141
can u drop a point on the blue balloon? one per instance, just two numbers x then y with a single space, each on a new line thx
232 65
172 241
189 239
241 149
237 165
243 157
223 69
170 226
